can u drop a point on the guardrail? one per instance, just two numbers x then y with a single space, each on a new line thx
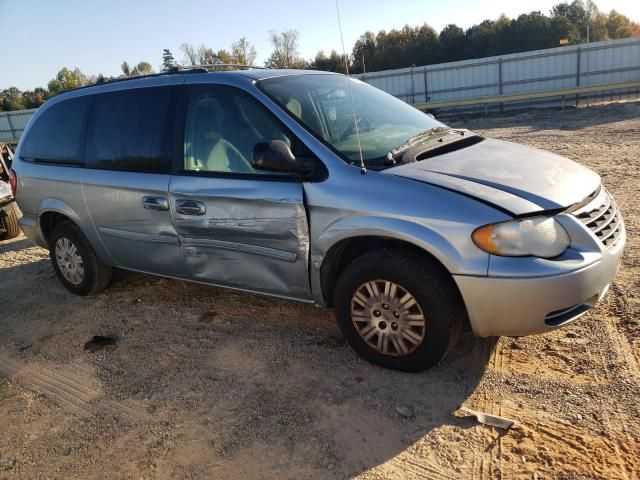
497 99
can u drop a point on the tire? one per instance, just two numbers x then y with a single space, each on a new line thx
95 274
436 298
10 221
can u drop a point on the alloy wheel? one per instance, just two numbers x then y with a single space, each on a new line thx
69 261
388 318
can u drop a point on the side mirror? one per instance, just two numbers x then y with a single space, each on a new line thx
431 115
276 156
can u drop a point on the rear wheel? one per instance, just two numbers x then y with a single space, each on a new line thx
10 221
398 309
76 262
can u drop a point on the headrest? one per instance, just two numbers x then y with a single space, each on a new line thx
294 107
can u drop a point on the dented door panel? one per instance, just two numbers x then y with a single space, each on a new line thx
252 235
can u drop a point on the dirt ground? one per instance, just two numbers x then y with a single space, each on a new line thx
207 383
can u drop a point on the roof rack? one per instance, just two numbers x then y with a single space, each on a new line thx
225 65
107 80
175 70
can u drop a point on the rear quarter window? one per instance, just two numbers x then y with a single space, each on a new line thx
131 130
57 134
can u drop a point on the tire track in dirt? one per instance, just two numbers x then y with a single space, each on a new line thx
489 352
621 350
70 390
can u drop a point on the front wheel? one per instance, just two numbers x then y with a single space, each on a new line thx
398 309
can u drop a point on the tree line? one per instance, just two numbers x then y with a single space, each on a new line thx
576 22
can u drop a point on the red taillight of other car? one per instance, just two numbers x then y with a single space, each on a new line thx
13 181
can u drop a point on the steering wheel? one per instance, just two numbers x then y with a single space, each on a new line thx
364 125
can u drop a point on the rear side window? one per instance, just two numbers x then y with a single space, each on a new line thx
56 135
132 130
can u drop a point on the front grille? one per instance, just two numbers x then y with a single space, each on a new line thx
602 217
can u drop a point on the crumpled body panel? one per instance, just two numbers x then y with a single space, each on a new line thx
253 234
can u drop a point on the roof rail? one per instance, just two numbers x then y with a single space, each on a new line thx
177 69
225 65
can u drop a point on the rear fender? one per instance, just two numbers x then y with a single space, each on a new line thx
85 225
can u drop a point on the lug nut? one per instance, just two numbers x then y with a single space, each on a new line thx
382 325
377 313
385 306
394 326
396 314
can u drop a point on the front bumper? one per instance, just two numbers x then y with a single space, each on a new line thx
524 305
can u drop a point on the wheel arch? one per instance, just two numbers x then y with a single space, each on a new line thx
355 242
52 211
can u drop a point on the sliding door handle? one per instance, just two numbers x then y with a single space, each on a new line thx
159 204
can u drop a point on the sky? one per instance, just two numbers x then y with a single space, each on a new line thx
39 37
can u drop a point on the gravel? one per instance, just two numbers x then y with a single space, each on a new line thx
208 383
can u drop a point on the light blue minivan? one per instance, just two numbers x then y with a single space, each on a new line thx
319 188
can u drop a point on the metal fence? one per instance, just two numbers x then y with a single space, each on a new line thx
12 124
607 62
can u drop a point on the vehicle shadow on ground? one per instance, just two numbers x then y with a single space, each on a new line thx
289 394
571 119
247 386
7 246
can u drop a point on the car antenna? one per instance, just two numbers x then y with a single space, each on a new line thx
363 169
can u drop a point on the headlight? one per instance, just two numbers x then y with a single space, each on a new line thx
536 236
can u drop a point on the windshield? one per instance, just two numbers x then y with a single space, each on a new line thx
323 104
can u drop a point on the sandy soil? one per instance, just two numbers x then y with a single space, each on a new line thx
207 383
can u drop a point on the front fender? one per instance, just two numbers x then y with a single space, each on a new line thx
448 241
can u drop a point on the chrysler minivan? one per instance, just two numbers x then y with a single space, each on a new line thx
318 188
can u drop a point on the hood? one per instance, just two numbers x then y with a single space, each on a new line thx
513 177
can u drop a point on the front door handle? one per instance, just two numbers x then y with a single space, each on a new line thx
190 207
159 204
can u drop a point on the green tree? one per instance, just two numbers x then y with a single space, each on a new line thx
204 55
12 99
332 63
126 70
66 79
223 56
618 26
364 53
34 98
142 68
453 43
168 62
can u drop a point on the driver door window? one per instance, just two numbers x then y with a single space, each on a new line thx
222 126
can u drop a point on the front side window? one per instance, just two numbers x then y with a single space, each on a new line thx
56 135
131 130
223 125
324 105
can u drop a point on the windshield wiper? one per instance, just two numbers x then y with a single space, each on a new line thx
422 137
